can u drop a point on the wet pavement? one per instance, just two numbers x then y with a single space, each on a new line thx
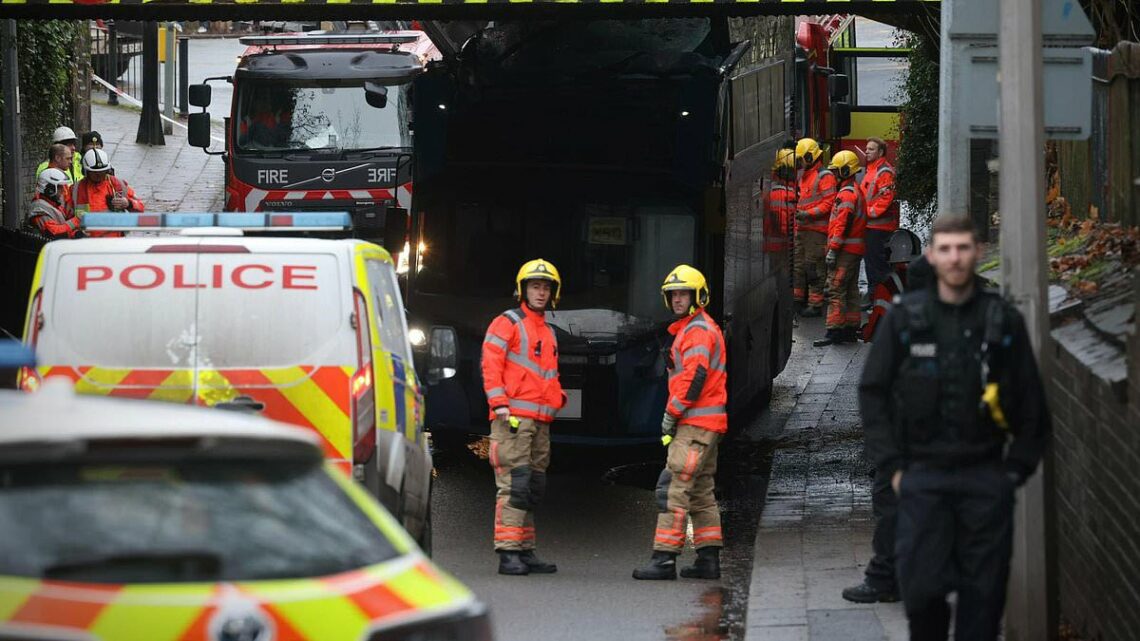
814 535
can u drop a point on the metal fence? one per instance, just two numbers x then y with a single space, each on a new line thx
1101 176
117 50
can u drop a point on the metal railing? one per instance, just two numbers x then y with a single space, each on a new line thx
124 70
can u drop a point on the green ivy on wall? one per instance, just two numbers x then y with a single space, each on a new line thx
47 66
917 156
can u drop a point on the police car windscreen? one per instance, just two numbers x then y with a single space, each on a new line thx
205 310
277 117
181 521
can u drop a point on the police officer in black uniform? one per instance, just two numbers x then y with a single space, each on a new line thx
955 415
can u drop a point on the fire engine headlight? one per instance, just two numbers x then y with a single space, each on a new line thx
417 337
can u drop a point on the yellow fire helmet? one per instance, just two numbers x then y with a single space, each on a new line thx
808 151
542 270
685 277
785 165
845 164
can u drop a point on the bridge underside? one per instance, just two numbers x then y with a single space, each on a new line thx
901 13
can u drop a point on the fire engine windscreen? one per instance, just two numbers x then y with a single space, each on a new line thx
279 117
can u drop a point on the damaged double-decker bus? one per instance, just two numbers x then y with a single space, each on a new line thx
616 150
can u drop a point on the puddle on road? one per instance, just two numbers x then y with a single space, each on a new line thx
710 625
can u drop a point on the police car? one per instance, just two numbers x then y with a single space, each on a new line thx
142 520
307 331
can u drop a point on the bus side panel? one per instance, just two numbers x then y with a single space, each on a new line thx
757 267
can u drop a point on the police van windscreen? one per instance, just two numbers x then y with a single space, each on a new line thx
610 256
329 117
177 311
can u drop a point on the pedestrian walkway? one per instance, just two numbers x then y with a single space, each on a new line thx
815 532
170 177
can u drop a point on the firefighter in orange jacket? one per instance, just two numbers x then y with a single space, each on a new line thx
100 190
813 212
780 203
520 378
878 187
696 417
845 249
49 213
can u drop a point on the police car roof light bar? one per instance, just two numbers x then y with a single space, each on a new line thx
266 221
335 39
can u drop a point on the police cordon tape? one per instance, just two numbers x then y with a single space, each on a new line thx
136 102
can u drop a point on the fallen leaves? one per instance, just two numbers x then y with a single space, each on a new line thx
1083 252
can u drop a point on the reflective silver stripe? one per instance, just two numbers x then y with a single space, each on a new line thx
496 341
883 304
898 282
885 190
699 349
532 407
519 359
696 322
715 363
694 412
514 315
675 404
852 241
496 391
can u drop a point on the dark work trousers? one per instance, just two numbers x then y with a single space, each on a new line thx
875 257
955 533
884 504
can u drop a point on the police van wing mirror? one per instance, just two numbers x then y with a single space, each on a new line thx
443 356
375 94
200 95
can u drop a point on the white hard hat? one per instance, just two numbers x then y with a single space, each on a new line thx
63 134
96 160
51 182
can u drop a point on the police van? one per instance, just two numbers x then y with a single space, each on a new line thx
307 331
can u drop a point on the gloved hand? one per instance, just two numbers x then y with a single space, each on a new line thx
668 428
832 258
502 413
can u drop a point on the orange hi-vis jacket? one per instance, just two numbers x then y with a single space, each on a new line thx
698 377
848 224
883 297
91 197
520 366
878 189
779 215
816 198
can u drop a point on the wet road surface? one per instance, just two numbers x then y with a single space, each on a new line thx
597 524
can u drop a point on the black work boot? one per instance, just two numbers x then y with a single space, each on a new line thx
535 564
707 565
510 562
867 593
832 336
662 567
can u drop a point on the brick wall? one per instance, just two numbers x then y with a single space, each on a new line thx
1095 398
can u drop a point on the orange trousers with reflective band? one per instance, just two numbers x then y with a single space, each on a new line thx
685 489
520 459
809 269
843 292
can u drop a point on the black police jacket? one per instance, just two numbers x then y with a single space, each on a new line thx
921 391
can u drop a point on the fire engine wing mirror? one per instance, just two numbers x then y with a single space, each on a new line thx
198 129
376 94
200 95
443 358
395 229
838 86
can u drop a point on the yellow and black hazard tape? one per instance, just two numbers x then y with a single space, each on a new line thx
325 9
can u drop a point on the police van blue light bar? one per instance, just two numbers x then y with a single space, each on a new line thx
266 221
334 39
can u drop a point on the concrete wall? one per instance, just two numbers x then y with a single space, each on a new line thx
1095 398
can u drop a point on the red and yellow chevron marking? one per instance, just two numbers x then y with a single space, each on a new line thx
315 397
342 606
